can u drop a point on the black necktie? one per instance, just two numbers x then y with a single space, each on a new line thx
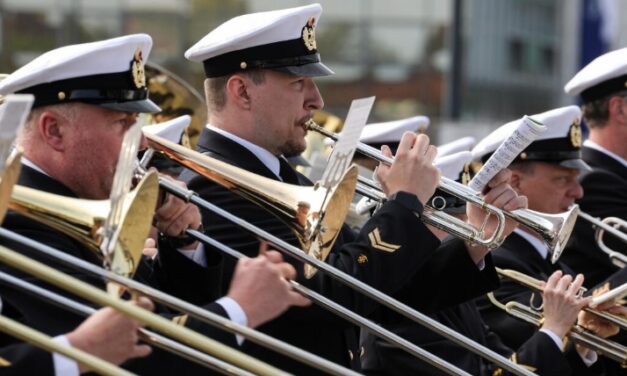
287 173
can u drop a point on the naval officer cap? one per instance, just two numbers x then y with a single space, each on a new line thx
559 144
108 73
390 133
282 40
605 75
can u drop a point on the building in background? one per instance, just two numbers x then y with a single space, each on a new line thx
515 54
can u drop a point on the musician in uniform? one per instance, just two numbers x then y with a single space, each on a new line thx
86 97
600 86
540 353
546 172
260 93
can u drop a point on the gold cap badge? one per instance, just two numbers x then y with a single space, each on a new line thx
575 134
137 70
309 34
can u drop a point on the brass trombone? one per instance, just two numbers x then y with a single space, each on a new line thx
610 349
613 225
100 297
555 229
204 166
146 335
73 217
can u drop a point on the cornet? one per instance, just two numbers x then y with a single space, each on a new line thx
180 154
611 349
555 229
614 226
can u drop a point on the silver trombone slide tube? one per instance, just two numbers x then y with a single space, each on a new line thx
351 281
151 337
602 226
183 306
346 313
555 229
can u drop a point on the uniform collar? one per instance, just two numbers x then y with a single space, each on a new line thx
268 159
593 145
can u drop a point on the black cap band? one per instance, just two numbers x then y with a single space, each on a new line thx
604 89
273 55
95 89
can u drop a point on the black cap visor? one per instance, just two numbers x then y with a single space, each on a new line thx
306 70
141 106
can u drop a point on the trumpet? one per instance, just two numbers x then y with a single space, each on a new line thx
196 162
610 349
555 229
536 285
613 225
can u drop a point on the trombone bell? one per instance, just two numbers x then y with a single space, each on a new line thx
314 214
7 181
83 220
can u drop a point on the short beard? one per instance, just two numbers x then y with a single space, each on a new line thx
292 149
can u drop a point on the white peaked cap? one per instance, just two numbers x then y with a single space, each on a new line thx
461 144
108 73
560 143
604 75
392 131
171 130
453 164
282 40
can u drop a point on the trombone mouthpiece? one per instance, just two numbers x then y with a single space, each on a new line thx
310 125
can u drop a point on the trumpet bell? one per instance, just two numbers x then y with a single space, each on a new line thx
83 220
314 214
555 229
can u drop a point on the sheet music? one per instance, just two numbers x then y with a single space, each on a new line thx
13 114
525 133
345 146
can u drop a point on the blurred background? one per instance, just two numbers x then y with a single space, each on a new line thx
470 65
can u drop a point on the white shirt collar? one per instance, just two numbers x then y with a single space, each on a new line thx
537 244
27 162
267 158
593 145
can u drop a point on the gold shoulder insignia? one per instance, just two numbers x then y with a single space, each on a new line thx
180 320
377 243
4 362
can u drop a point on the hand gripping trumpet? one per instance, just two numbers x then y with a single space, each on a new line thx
204 166
555 229
610 349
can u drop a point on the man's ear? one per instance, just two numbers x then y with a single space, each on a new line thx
51 130
516 180
616 109
237 91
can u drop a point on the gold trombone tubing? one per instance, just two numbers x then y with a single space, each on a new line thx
150 319
555 229
182 306
346 279
611 225
578 334
23 332
148 336
536 285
